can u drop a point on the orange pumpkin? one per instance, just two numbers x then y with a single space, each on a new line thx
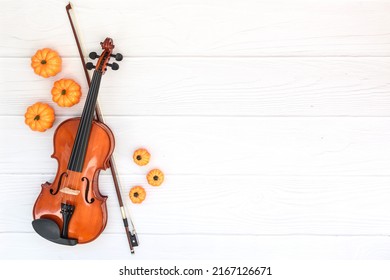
66 92
141 157
46 63
137 194
155 177
39 117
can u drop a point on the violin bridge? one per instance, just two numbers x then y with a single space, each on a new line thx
70 191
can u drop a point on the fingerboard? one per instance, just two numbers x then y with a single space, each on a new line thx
80 145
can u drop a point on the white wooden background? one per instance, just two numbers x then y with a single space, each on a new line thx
270 119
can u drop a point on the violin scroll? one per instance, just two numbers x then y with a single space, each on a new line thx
104 58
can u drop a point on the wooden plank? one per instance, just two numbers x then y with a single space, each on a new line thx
221 146
269 118
212 87
200 247
234 205
203 28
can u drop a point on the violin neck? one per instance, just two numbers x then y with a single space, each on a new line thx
80 145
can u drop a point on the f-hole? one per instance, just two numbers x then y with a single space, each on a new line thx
59 184
87 191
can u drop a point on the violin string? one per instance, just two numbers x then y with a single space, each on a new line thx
73 159
86 122
76 145
87 126
84 127
118 186
81 133
81 144
83 141
71 179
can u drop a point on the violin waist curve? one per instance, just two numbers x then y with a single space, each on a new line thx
78 190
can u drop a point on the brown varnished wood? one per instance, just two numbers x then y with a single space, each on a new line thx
88 219
131 236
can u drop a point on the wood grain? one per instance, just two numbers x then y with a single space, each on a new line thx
203 28
234 205
215 87
270 120
222 146
192 247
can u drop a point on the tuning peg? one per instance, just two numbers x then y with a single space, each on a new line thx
114 66
90 65
118 56
93 55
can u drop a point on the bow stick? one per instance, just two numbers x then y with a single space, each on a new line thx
131 235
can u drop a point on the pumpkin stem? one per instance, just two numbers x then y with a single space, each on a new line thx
43 61
139 157
36 118
155 178
63 92
136 194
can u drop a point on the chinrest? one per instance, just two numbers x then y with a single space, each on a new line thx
49 230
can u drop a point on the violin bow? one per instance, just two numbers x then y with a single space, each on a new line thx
131 234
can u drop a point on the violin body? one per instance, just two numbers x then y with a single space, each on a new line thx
89 217
72 210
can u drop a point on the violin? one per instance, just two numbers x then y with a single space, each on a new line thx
71 210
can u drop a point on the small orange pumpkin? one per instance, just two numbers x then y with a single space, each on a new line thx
46 63
137 194
141 157
39 117
155 177
66 92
